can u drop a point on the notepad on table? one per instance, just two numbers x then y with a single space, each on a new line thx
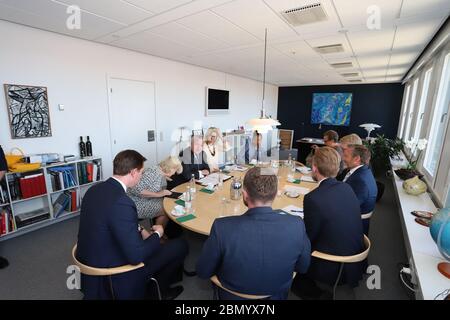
294 189
307 179
294 210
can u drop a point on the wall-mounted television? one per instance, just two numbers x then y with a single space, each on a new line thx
217 101
332 108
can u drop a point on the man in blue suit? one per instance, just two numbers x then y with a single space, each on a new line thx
362 181
333 224
110 236
256 253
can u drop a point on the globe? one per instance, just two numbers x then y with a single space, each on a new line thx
440 232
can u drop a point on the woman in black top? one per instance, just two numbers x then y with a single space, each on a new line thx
3 168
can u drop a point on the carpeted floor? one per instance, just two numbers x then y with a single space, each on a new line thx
39 260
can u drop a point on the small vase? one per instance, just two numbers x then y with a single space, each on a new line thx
414 186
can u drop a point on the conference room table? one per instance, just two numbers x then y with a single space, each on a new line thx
208 207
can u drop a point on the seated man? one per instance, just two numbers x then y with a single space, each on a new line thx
194 160
256 253
330 139
344 142
362 181
110 236
333 224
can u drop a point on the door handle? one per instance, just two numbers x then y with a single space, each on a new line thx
443 117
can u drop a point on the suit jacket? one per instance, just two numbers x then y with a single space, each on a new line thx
333 223
108 236
192 165
364 185
256 253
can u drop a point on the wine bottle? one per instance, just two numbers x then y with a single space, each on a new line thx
82 148
88 147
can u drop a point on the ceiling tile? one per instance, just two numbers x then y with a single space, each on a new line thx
332 22
117 10
52 16
354 13
187 37
415 36
157 6
240 11
372 42
218 28
421 7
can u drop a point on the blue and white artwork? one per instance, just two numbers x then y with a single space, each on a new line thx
332 108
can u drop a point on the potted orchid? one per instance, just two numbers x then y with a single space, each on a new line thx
417 146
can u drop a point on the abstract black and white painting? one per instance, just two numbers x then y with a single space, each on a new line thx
28 111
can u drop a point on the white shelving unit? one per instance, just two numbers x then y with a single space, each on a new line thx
45 201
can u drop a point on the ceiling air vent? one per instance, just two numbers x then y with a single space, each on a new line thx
305 15
342 65
350 74
332 48
355 80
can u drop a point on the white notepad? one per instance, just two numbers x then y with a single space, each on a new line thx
307 179
295 189
293 210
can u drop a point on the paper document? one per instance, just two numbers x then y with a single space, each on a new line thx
213 179
295 189
293 210
307 179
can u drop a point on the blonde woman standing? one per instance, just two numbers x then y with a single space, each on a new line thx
149 193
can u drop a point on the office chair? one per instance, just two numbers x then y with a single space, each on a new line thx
343 260
109 272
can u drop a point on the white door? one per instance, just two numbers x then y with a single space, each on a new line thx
132 117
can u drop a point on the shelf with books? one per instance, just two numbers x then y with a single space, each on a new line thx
37 209
67 189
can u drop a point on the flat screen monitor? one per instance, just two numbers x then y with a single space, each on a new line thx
218 99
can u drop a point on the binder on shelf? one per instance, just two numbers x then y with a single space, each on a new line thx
60 205
6 222
32 185
90 172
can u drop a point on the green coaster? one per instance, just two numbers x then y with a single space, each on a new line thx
206 190
186 218
180 202
297 181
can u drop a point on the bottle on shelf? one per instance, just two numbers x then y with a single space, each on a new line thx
192 184
82 148
88 147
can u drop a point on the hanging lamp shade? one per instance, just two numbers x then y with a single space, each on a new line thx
263 124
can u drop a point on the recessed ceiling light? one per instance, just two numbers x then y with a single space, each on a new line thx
332 48
341 65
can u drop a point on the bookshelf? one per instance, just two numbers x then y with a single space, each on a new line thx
51 194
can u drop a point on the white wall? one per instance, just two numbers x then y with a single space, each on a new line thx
75 73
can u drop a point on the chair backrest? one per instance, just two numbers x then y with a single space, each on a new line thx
217 282
286 138
345 259
91 271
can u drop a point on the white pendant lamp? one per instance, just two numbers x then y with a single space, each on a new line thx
263 124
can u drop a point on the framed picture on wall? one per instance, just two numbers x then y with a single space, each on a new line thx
28 111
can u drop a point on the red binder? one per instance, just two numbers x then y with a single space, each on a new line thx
90 172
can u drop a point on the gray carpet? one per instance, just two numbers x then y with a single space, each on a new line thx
38 260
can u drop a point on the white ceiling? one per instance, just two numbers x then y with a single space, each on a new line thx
228 35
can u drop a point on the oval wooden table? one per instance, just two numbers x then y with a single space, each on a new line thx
208 207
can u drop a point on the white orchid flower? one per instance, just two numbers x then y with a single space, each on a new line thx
422 144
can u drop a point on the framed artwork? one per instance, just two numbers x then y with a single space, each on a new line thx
28 111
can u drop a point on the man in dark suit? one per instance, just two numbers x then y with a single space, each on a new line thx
110 236
362 181
256 253
333 224
3 169
194 163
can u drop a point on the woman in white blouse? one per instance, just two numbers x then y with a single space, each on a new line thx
214 147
